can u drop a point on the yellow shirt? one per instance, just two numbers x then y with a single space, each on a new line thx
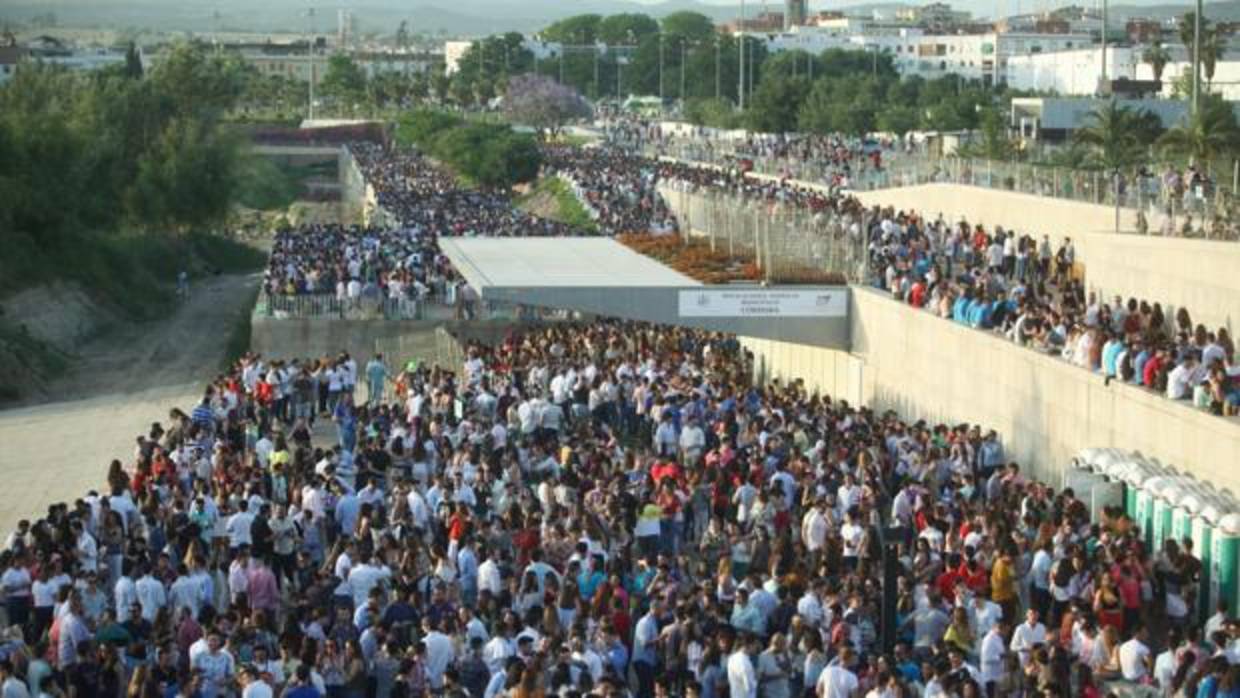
1002 582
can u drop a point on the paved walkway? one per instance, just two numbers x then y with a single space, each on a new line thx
57 452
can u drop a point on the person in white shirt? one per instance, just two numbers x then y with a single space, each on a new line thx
1134 657
814 528
238 526
151 595
255 687
837 680
1181 378
1028 634
993 655
216 665
366 576
439 654
742 678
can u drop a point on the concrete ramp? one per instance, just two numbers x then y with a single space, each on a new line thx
600 276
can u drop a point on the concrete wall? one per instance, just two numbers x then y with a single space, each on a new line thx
1200 275
1024 213
1045 409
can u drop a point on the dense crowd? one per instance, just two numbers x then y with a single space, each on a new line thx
834 160
1024 288
402 260
607 509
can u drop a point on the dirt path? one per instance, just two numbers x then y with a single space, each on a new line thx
186 347
58 450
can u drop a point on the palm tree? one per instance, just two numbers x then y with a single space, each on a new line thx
1158 57
1211 50
1114 133
1205 135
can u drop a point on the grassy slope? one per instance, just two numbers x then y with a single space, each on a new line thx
552 198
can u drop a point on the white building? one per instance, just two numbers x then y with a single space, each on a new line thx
454 51
914 52
1076 72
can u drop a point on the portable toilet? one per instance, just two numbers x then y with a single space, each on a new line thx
1145 494
1167 492
1135 473
1106 493
1203 526
1225 561
1080 478
1186 508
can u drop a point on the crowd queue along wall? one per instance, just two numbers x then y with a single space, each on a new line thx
1046 409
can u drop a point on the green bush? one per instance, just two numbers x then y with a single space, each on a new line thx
486 154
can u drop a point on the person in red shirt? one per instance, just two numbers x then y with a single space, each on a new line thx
458 523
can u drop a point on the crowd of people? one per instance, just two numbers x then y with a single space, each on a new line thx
603 509
1025 289
1021 287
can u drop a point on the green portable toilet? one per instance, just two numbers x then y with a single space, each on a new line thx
1204 523
1147 491
1225 561
1167 492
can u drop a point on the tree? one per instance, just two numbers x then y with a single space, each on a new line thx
693 26
775 103
626 29
133 62
898 119
344 80
196 80
995 143
1158 57
1116 135
402 35
1205 135
578 29
187 179
1212 47
542 103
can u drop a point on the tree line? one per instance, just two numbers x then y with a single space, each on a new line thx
117 148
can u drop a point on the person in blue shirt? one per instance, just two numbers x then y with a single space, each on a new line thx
961 307
346 423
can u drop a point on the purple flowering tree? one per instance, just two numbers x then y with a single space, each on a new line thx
542 103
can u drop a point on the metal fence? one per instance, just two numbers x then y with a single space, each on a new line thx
787 243
1202 211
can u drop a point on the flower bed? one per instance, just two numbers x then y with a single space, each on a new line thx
695 259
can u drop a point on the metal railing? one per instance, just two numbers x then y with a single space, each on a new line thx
1162 207
328 305
788 243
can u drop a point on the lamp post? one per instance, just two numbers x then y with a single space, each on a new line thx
740 34
1197 58
660 70
718 84
683 55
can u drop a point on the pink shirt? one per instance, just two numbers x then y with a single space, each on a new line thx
262 589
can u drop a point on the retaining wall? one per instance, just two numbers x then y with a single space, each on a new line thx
1045 409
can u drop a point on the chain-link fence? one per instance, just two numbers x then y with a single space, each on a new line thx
786 243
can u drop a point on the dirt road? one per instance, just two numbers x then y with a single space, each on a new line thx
56 451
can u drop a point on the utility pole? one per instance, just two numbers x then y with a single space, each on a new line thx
1197 58
310 54
1104 47
660 70
740 87
682 69
718 84
597 90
